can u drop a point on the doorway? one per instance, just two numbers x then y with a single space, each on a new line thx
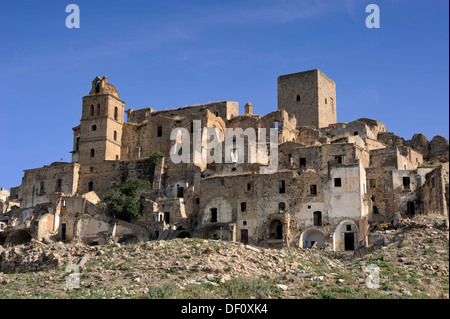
63 231
349 240
244 236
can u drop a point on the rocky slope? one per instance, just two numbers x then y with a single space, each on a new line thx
414 264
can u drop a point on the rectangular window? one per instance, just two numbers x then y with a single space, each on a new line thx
58 185
313 189
197 200
406 183
180 192
249 187
302 162
281 187
159 131
338 159
41 188
349 227
372 183
77 145
243 207
337 182
167 217
213 215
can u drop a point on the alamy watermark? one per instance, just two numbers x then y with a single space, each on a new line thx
372 276
73 280
73 19
207 146
373 19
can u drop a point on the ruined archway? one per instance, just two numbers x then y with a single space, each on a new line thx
312 236
184 234
276 229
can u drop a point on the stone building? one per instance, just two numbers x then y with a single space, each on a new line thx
332 181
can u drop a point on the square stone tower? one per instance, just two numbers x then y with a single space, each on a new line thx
310 96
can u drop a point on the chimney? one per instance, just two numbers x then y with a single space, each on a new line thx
248 109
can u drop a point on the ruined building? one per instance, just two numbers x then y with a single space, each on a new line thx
332 182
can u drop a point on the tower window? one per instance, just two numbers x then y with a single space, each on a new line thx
313 189
91 186
116 113
92 152
338 159
243 207
298 98
326 101
93 128
58 185
249 187
92 110
159 131
115 135
77 144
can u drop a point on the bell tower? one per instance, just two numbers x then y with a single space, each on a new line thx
100 131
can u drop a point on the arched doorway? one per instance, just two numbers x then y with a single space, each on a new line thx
346 236
184 234
312 236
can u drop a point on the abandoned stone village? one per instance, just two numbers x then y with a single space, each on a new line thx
334 182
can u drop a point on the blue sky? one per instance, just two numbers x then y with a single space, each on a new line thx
168 54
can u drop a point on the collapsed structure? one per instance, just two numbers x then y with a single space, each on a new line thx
333 179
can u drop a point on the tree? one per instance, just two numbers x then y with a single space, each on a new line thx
125 202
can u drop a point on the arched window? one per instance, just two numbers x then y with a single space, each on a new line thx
115 135
116 113
317 218
92 152
326 101
92 110
281 206
91 186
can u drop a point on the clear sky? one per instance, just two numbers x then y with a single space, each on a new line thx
168 54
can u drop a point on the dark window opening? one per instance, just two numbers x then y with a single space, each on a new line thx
159 131
192 127
92 110
326 101
302 162
249 187
216 113
348 227
213 215
167 218
92 152
41 188
337 182
244 223
406 183
115 135
116 113
77 144
290 159
281 187
97 88
180 192
355 133
93 128
375 210
313 189
276 230
298 98
317 218
338 159
197 200
243 207
91 186
58 185
282 206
